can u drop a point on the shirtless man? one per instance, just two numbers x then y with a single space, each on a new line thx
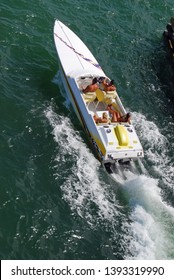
92 87
108 86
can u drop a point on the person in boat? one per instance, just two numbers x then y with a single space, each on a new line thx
108 86
116 117
101 79
115 114
104 119
92 87
126 118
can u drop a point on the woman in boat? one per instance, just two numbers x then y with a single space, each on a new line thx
116 117
104 118
92 87
108 86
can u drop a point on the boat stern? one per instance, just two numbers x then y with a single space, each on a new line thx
120 143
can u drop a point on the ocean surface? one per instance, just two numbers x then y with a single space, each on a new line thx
56 202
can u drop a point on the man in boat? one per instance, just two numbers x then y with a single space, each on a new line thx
126 118
116 117
92 87
108 86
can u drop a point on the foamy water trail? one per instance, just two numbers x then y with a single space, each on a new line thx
157 150
81 187
152 226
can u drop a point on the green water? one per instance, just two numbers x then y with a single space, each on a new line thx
55 200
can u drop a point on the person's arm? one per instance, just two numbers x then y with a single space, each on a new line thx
86 89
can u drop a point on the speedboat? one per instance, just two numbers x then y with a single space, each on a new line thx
115 141
169 36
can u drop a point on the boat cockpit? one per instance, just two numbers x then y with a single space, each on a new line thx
97 101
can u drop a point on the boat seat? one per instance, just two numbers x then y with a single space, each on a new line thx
107 98
89 97
111 94
111 97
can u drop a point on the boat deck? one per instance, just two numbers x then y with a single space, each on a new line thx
113 141
97 102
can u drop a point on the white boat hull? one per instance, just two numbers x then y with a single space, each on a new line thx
114 142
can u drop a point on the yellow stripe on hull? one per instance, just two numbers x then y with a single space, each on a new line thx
100 145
